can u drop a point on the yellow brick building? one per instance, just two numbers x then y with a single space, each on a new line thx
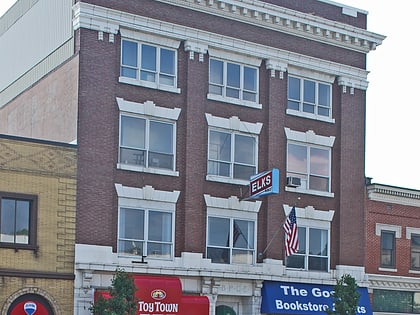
37 225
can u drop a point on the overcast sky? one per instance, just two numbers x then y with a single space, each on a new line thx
393 110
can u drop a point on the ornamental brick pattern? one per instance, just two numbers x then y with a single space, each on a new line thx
48 171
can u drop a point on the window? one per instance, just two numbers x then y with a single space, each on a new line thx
233 80
146 142
145 232
388 249
392 301
415 251
17 220
313 250
147 137
231 155
232 149
309 96
146 225
148 63
311 164
230 241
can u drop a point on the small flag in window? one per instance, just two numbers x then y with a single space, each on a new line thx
291 236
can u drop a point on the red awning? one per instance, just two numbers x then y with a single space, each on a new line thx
154 288
194 305
163 295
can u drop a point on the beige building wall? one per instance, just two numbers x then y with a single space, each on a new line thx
47 170
48 109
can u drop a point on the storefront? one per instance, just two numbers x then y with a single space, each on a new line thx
163 296
301 298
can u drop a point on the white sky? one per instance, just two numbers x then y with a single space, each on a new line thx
392 150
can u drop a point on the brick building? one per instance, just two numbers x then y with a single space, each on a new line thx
37 225
174 105
393 248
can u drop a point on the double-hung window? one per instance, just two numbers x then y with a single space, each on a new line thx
310 97
388 249
231 155
18 215
314 230
146 225
233 80
147 137
309 161
232 149
311 164
145 232
146 142
148 65
313 250
231 230
415 251
230 241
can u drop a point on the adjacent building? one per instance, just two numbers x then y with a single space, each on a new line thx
393 248
174 105
37 226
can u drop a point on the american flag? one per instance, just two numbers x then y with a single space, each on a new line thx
291 237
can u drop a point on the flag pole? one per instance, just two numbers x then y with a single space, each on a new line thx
278 231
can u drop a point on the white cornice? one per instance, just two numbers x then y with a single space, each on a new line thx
385 282
287 21
392 194
109 20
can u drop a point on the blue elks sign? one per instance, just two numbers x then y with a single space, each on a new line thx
265 183
301 298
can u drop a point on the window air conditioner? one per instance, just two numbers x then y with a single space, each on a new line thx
293 181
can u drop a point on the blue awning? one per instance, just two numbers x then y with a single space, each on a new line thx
302 298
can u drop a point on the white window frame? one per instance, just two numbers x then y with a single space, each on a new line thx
159 43
149 111
236 59
147 199
310 139
308 218
233 209
409 232
397 230
232 125
317 78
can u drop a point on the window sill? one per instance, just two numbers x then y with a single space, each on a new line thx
219 98
310 116
150 85
414 271
227 180
309 192
387 269
158 171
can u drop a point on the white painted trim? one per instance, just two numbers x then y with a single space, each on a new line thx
142 37
87 15
311 215
233 123
314 75
148 108
289 21
379 227
391 194
411 230
232 207
235 56
309 137
310 116
147 193
150 85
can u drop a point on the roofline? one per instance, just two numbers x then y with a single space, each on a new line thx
36 140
